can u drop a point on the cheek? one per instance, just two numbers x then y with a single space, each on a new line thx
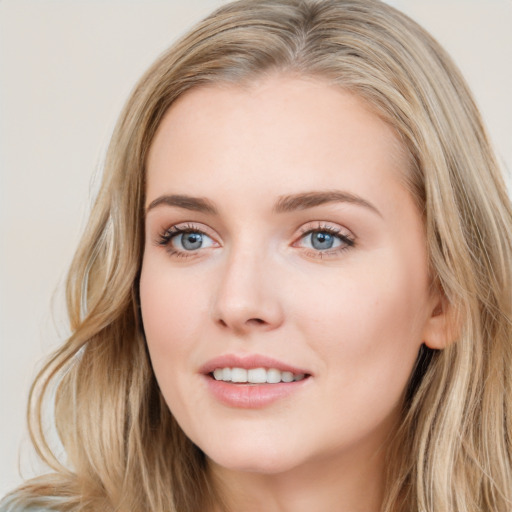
171 312
369 321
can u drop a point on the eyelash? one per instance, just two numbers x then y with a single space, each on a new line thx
347 242
165 239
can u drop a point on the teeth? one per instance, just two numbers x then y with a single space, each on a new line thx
255 375
238 375
287 377
273 376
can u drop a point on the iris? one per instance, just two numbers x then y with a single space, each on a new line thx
191 241
322 240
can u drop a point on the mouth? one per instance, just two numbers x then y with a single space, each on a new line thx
255 375
253 381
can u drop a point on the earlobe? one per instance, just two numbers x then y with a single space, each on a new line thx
442 328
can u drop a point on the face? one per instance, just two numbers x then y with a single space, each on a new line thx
284 286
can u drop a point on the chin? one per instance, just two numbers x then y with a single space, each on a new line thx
262 464
254 457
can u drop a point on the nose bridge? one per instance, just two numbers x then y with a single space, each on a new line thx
246 296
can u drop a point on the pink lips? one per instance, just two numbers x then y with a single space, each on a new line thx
250 396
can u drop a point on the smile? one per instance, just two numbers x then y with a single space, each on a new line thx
256 375
253 381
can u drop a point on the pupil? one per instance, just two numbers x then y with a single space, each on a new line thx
322 240
192 241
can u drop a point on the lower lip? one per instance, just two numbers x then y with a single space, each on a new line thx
252 396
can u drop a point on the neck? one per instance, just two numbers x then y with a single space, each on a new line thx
345 484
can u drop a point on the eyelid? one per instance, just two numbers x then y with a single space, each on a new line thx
185 227
331 227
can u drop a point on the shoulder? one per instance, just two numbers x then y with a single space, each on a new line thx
20 508
11 506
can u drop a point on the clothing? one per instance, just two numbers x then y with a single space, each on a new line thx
11 507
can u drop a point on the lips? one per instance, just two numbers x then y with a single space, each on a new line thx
252 381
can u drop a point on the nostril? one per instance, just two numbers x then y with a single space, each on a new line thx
256 321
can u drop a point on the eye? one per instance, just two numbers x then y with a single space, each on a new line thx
190 241
185 240
322 240
325 239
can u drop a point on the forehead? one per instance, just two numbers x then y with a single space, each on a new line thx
277 129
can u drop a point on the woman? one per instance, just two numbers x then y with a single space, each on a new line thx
294 290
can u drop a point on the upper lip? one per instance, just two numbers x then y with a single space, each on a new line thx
249 361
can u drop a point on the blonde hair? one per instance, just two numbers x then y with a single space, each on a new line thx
452 452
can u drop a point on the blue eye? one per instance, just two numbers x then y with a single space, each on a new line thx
325 239
190 241
321 240
185 240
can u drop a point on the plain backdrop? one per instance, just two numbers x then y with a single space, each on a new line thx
66 68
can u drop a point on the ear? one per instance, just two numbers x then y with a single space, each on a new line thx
442 327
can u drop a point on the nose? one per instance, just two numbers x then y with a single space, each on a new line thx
248 297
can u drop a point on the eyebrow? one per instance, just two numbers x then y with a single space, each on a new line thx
307 200
197 204
284 204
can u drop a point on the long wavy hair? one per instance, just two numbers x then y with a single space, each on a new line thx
121 448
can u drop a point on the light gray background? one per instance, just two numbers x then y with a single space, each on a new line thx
66 67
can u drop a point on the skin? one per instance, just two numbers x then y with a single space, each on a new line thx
353 316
